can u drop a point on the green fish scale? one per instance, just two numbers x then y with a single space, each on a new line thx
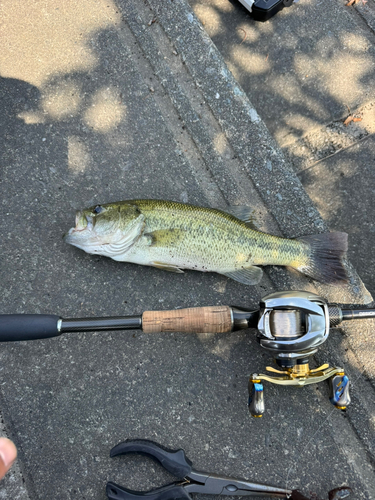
210 239
175 236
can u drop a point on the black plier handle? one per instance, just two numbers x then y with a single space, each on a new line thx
174 462
190 480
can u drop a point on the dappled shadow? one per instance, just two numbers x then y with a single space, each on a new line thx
16 96
302 71
42 42
81 134
299 69
343 189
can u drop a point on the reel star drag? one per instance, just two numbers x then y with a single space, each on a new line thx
290 325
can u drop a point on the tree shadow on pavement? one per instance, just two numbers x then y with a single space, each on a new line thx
82 136
300 70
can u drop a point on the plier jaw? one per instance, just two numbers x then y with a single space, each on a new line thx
190 480
214 484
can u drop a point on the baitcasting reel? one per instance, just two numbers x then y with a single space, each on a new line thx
262 10
291 326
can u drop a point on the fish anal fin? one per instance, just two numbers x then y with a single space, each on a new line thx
166 267
247 275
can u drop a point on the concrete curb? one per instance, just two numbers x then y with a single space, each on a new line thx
261 159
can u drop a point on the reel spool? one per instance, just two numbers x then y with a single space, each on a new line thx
291 326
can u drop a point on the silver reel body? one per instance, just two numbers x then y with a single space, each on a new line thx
291 326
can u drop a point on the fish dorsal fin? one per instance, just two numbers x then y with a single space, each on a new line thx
247 275
126 240
166 267
244 213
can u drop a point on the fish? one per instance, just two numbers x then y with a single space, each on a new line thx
175 236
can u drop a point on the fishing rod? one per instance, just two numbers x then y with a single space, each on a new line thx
290 325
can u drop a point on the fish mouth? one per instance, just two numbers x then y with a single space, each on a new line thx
83 224
67 237
82 239
72 237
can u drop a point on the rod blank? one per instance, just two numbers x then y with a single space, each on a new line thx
100 324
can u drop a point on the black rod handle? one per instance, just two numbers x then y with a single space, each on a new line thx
15 327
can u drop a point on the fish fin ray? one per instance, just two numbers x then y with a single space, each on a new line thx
166 267
325 263
245 214
247 275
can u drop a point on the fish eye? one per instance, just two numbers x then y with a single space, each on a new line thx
98 209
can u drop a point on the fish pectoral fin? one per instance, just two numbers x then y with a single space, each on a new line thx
244 213
166 267
247 275
123 244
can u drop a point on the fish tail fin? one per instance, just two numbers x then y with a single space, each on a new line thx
325 260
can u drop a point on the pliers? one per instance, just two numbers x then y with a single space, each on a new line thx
191 481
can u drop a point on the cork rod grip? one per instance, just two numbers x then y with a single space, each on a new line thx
214 319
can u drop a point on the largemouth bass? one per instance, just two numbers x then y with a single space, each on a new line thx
175 236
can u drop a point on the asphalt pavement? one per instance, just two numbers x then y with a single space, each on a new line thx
308 70
104 101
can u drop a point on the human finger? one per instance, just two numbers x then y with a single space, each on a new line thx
8 454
